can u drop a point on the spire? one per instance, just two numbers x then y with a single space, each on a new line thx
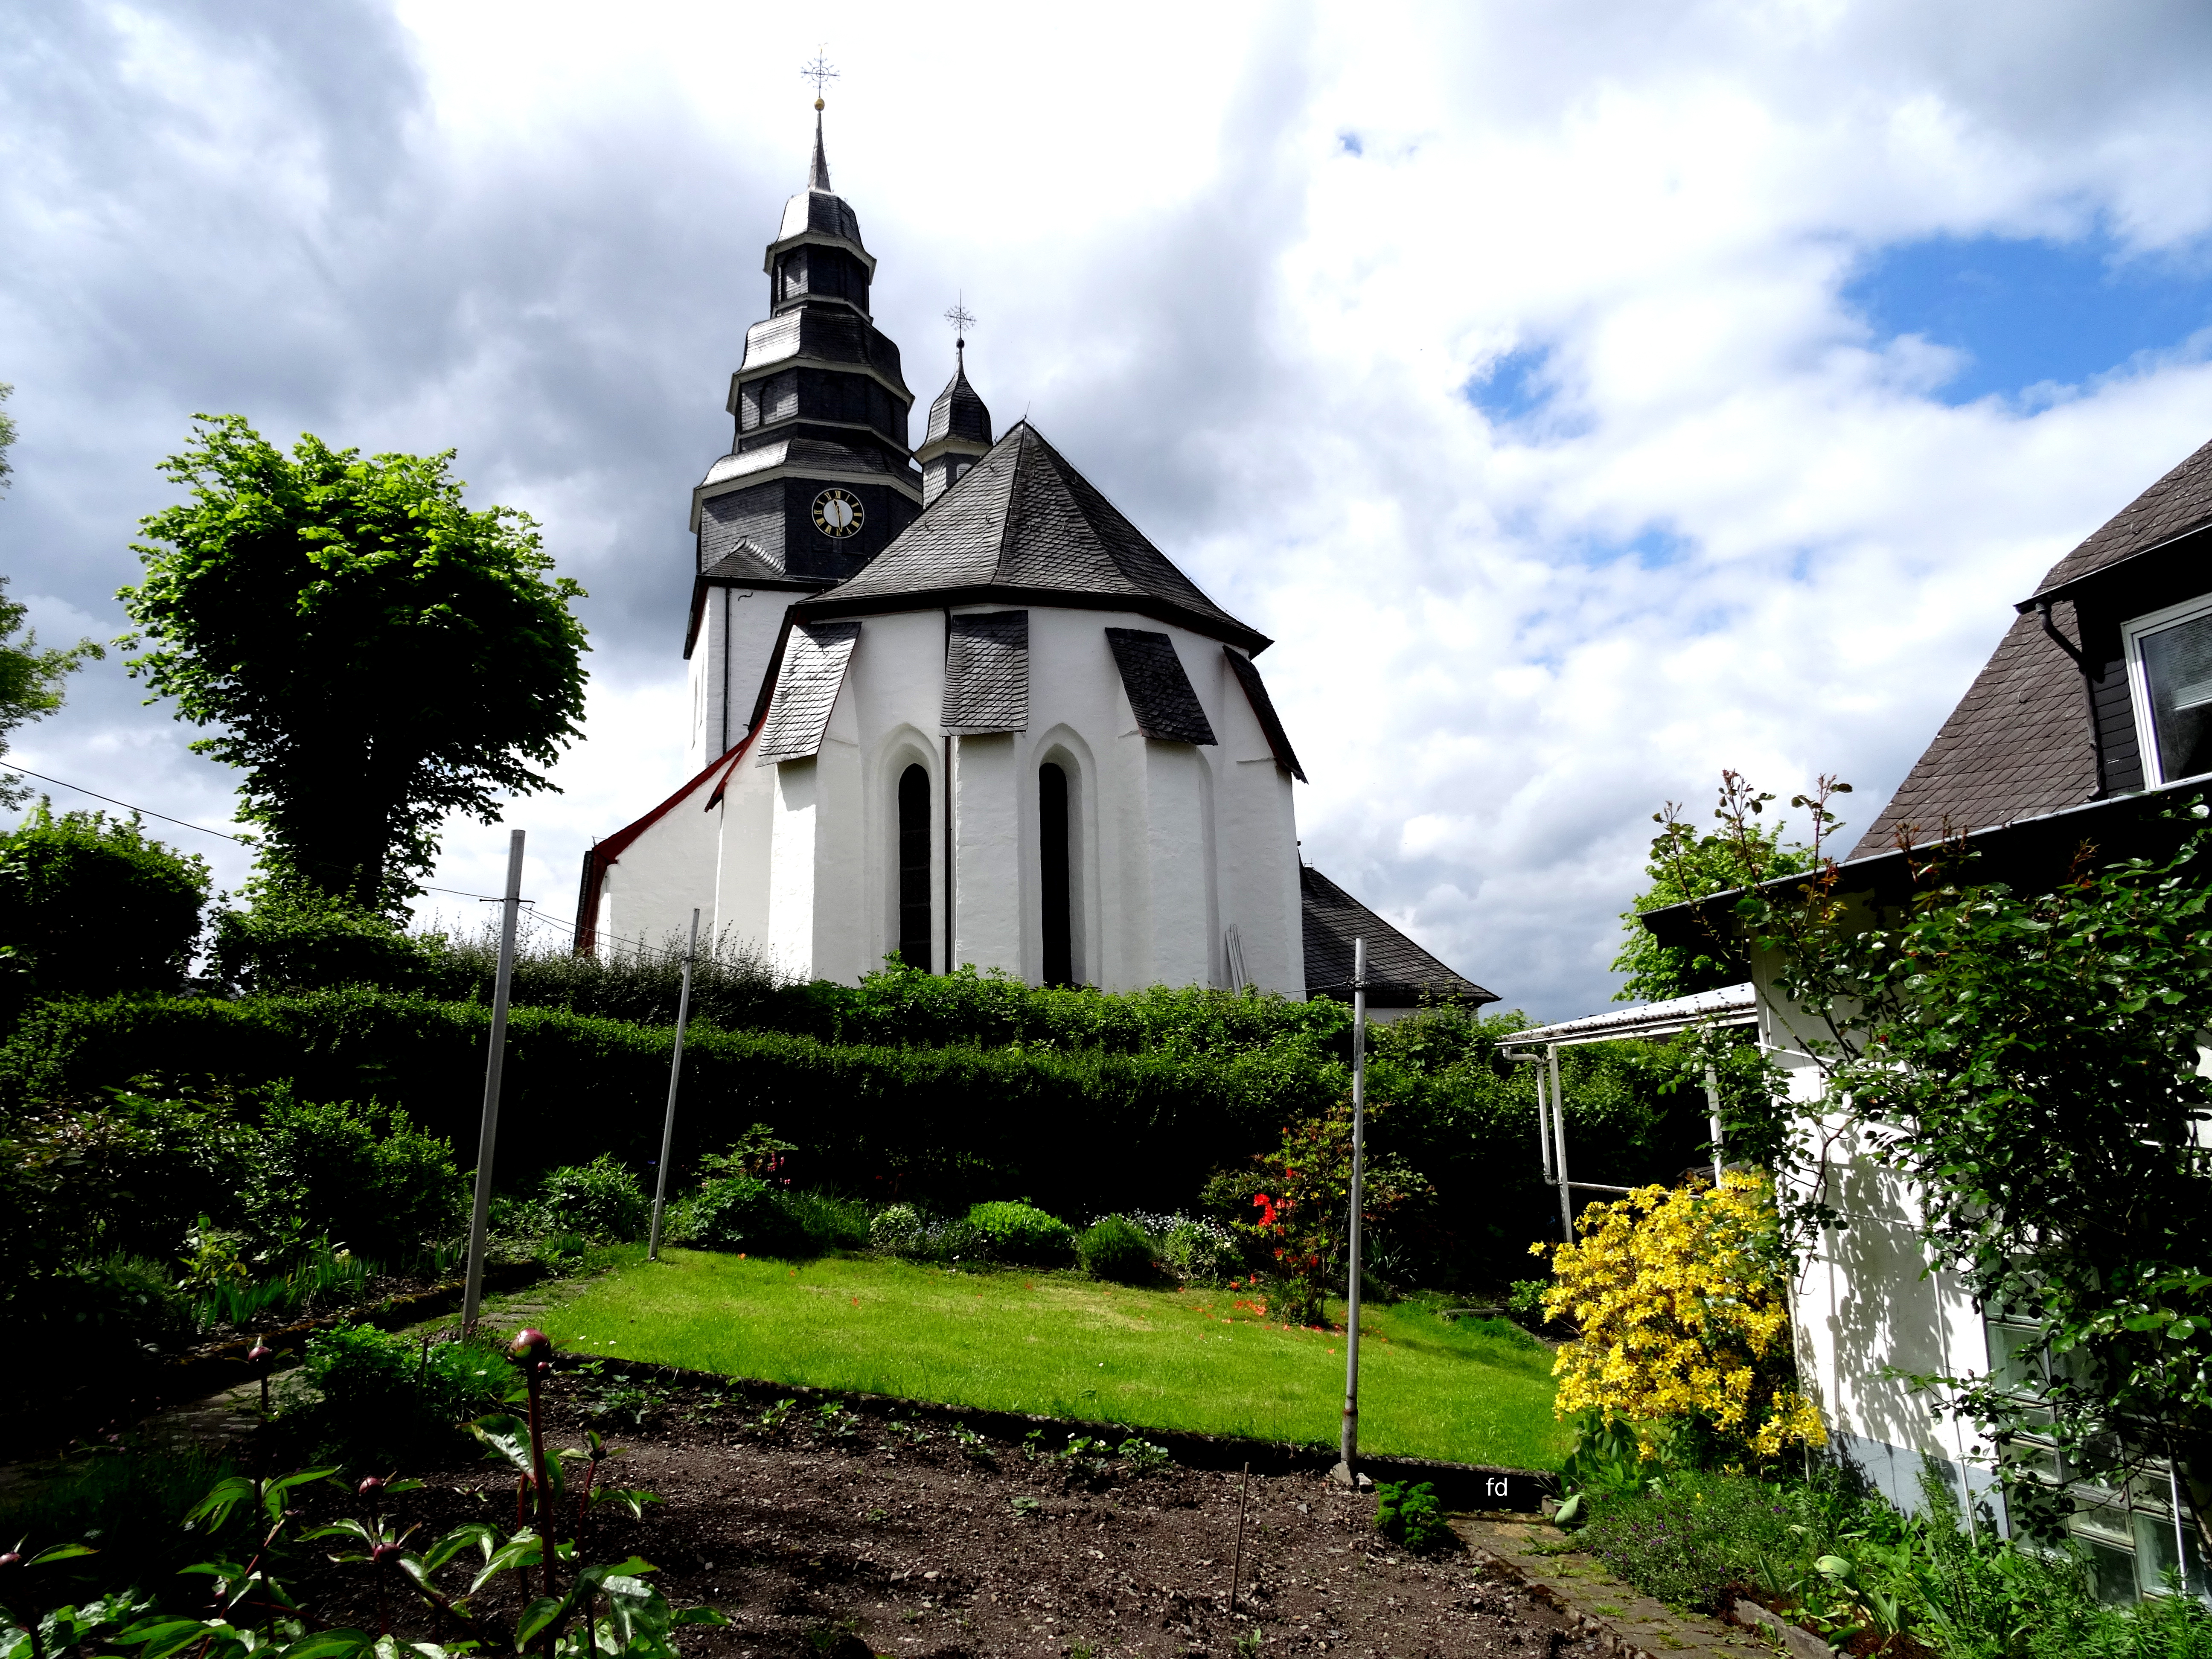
818 177
959 432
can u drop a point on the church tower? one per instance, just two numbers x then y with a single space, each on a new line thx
818 479
959 433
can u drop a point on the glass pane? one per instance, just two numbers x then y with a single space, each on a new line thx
2114 1569
2015 1359
2154 1556
2177 668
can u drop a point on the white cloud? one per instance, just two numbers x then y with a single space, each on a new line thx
1743 530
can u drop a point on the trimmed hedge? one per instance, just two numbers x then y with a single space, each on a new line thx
958 1120
1081 1130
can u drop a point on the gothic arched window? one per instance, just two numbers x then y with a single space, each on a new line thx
914 868
1052 862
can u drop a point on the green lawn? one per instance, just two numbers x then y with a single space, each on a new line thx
1071 1348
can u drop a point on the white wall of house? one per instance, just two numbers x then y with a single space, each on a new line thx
1172 843
738 628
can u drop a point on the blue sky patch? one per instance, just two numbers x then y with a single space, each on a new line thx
1350 145
2029 312
1512 387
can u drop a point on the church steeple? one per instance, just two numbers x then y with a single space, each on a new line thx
818 176
959 433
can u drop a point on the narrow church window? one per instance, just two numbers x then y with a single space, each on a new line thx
1052 850
914 867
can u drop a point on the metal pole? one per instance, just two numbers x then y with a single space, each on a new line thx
674 1071
1713 1120
494 1063
1559 1136
1349 1445
1543 1122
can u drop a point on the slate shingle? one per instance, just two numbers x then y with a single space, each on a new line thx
1025 527
1255 692
1160 694
815 658
2177 503
1398 970
986 673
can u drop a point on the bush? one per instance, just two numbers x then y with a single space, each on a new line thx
1202 1251
1023 1233
294 937
600 1200
1409 1515
1114 1247
736 1212
364 1176
825 1222
89 906
371 1401
899 1230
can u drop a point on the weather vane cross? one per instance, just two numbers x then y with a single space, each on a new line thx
820 72
962 319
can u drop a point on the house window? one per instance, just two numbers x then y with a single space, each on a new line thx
2170 670
1053 865
914 868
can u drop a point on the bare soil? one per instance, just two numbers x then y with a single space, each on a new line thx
862 1533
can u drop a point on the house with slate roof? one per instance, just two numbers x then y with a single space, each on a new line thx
2090 721
950 706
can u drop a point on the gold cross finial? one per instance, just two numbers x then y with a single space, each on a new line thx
819 72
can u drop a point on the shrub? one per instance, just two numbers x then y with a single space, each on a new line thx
1020 1232
373 1401
296 937
362 1175
824 1222
1681 1298
90 906
1114 1247
1409 1515
899 1230
736 1213
600 1200
1203 1251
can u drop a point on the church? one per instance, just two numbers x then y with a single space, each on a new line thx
949 706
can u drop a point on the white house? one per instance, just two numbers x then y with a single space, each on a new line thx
961 712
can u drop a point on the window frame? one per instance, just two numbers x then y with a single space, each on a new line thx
2132 633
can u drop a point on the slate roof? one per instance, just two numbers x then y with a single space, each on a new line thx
2019 744
829 333
818 208
1024 527
1255 693
814 663
958 412
1160 694
2177 503
986 673
808 454
1398 969
746 563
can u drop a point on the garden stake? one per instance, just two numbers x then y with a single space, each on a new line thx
1347 1470
495 1063
1236 1565
675 1072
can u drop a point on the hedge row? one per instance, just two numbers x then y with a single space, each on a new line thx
1072 1129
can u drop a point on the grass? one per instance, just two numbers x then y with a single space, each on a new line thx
1053 1343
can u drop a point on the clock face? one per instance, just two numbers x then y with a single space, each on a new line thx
838 514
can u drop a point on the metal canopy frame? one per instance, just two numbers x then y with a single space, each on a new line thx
1730 1006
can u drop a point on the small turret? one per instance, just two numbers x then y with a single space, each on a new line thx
959 431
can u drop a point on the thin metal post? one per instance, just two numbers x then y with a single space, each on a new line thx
494 1063
2180 1533
1349 1445
1713 1120
675 1072
1560 1138
1543 1123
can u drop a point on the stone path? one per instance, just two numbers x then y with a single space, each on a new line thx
1626 1622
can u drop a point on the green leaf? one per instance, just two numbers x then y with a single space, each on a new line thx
535 1619
505 1437
469 1534
60 1552
330 1644
525 1549
706 1615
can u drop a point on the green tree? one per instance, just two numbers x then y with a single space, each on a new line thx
30 678
89 906
374 653
2029 1061
1686 866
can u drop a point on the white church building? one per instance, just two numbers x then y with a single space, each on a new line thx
950 706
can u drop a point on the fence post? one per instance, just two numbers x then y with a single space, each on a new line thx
675 1072
494 1063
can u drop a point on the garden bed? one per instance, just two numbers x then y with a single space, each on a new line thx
823 1523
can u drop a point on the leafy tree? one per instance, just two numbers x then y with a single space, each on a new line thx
90 906
1686 866
30 678
374 653
2029 1062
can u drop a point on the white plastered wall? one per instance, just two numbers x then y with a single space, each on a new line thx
737 629
1170 843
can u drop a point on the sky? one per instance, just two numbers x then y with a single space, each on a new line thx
1584 397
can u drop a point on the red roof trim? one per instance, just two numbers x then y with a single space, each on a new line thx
604 854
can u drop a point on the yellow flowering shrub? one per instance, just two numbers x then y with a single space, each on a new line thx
1679 1295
